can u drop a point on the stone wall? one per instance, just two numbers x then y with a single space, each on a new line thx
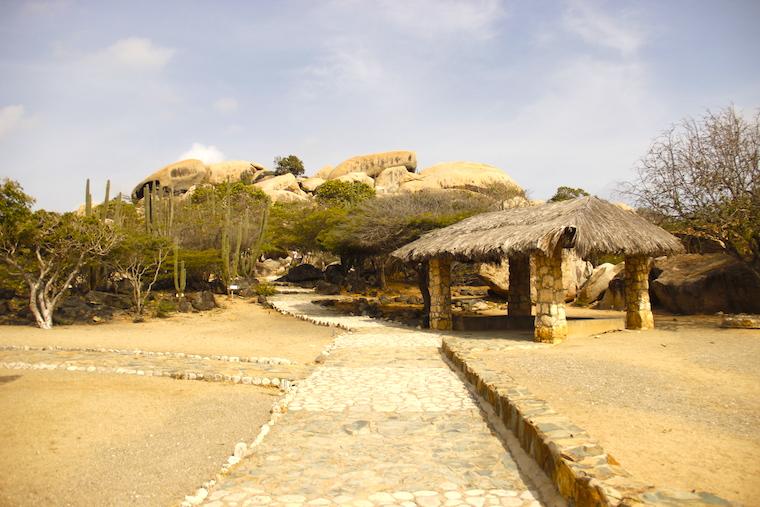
519 296
638 311
439 283
551 324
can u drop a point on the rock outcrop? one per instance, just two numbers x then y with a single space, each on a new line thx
598 282
283 182
181 176
375 163
575 273
311 184
390 180
360 177
694 284
461 174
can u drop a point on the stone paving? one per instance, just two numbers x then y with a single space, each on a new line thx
383 422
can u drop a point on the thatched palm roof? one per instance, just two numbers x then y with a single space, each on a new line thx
590 225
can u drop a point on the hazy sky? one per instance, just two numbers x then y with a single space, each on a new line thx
554 93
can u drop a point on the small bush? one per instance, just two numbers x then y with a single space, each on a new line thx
265 289
164 307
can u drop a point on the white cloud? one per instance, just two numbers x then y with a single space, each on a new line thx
437 18
596 27
133 53
10 118
226 105
207 154
343 68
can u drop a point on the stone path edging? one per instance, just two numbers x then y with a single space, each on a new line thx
583 473
275 382
138 352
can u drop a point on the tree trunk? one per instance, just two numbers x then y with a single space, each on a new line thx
422 281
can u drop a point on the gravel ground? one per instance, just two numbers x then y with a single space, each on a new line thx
76 439
678 406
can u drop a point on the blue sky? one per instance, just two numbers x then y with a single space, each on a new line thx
554 93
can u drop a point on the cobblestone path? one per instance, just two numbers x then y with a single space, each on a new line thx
383 422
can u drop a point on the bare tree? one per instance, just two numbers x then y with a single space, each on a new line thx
47 249
139 260
702 178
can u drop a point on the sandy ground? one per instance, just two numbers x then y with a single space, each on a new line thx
678 406
78 439
70 438
241 328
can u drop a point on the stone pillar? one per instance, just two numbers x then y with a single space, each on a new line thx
551 324
638 310
439 283
519 303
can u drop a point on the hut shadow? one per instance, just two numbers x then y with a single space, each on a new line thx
7 379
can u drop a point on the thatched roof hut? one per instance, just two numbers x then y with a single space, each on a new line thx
588 224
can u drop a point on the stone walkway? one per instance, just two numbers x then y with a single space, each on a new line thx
383 422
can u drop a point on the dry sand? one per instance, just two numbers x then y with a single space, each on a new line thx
79 439
678 406
241 328
70 438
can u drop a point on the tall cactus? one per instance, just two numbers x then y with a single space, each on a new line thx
180 275
87 199
226 272
117 212
236 252
147 205
104 212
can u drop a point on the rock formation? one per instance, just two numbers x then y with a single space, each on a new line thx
375 163
694 283
182 175
465 175
598 282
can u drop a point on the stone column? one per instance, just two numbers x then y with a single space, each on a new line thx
439 282
551 324
638 310
519 303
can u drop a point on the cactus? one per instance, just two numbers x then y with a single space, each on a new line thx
226 271
236 253
104 213
87 199
117 213
180 275
256 249
147 207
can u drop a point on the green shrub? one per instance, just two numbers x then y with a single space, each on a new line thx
164 307
265 289
343 193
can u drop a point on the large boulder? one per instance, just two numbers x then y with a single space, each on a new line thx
614 296
390 180
694 283
324 173
179 176
375 163
288 196
302 273
283 182
575 272
495 276
466 175
233 170
598 282
311 184
202 300
360 177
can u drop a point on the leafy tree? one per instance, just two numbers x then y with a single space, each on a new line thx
290 164
567 193
47 249
702 178
343 193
